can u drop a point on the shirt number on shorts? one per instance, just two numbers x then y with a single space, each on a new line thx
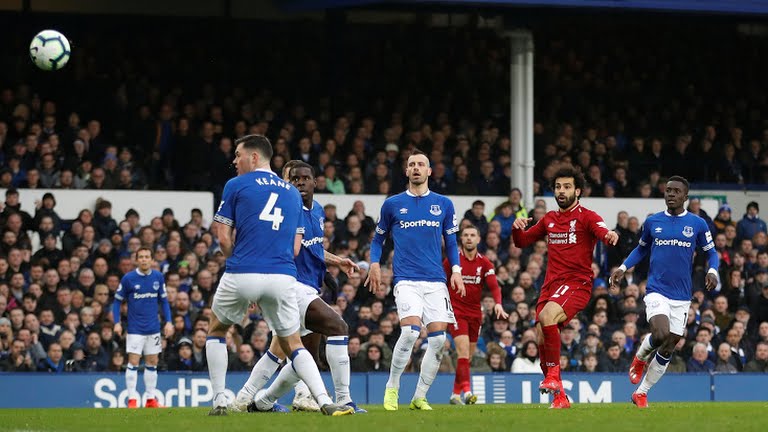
448 305
561 291
157 340
271 213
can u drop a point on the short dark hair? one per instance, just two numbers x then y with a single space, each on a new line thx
478 202
145 248
288 167
572 172
256 142
301 164
471 226
680 179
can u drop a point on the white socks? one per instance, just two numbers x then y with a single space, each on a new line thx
402 353
337 356
150 381
656 369
261 373
286 379
304 366
645 349
216 354
131 377
430 363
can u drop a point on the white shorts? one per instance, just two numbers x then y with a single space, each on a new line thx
274 293
305 295
427 300
143 344
675 310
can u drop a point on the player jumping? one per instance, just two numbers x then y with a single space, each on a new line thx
671 237
317 318
571 234
475 268
264 211
418 221
143 289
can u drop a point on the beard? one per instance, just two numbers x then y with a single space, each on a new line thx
567 203
419 181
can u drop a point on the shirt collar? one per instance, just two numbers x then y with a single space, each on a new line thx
409 193
143 274
685 212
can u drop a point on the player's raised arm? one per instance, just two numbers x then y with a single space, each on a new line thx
382 228
704 240
524 238
638 253
225 219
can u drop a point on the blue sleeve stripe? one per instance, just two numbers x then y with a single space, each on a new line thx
337 342
416 328
436 333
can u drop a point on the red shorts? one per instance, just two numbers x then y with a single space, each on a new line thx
572 295
467 326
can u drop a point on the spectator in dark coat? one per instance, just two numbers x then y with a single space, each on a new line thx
700 361
102 220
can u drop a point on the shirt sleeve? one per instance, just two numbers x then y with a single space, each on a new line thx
643 247
226 212
382 228
120 295
450 223
596 225
302 228
489 273
704 240
163 300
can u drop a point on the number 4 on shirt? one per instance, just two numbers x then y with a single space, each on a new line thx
271 213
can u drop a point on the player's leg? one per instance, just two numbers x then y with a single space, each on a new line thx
134 346
550 317
303 399
409 300
260 374
152 348
460 334
321 319
667 320
281 311
474 334
436 316
228 308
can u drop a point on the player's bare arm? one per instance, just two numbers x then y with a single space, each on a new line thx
168 330
345 264
458 284
297 244
224 235
711 281
374 277
611 238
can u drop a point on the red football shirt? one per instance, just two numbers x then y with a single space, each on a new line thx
571 237
473 273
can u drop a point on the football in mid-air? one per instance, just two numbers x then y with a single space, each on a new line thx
49 50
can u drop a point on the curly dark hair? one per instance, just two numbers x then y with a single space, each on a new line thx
572 172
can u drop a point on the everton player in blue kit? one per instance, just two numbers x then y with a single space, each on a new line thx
144 290
671 237
263 211
317 318
418 221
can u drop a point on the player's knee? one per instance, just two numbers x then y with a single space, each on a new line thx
338 327
436 341
660 336
409 335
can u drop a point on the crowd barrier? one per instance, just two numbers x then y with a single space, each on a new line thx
107 390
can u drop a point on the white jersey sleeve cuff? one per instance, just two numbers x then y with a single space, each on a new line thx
714 272
456 269
623 268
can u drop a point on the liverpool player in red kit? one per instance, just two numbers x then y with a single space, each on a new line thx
571 235
475 269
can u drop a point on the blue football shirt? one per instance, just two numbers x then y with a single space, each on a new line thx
672 241
417 226
143 292
310 263
265 212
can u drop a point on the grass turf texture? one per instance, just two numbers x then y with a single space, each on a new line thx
693 417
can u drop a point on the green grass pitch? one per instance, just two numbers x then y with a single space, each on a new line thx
678 417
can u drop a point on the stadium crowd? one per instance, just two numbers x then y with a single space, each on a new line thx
129 128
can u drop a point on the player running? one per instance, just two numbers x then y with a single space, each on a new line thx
571 233
671 237
418 221
475 268
317 318
265 212
143 289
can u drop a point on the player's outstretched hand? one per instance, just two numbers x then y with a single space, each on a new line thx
458 284
499 309
118 329
374 277
612 237
348 266
521 223
711 282
168 330
616 277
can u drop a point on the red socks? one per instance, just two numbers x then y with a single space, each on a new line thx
461 382
550 356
